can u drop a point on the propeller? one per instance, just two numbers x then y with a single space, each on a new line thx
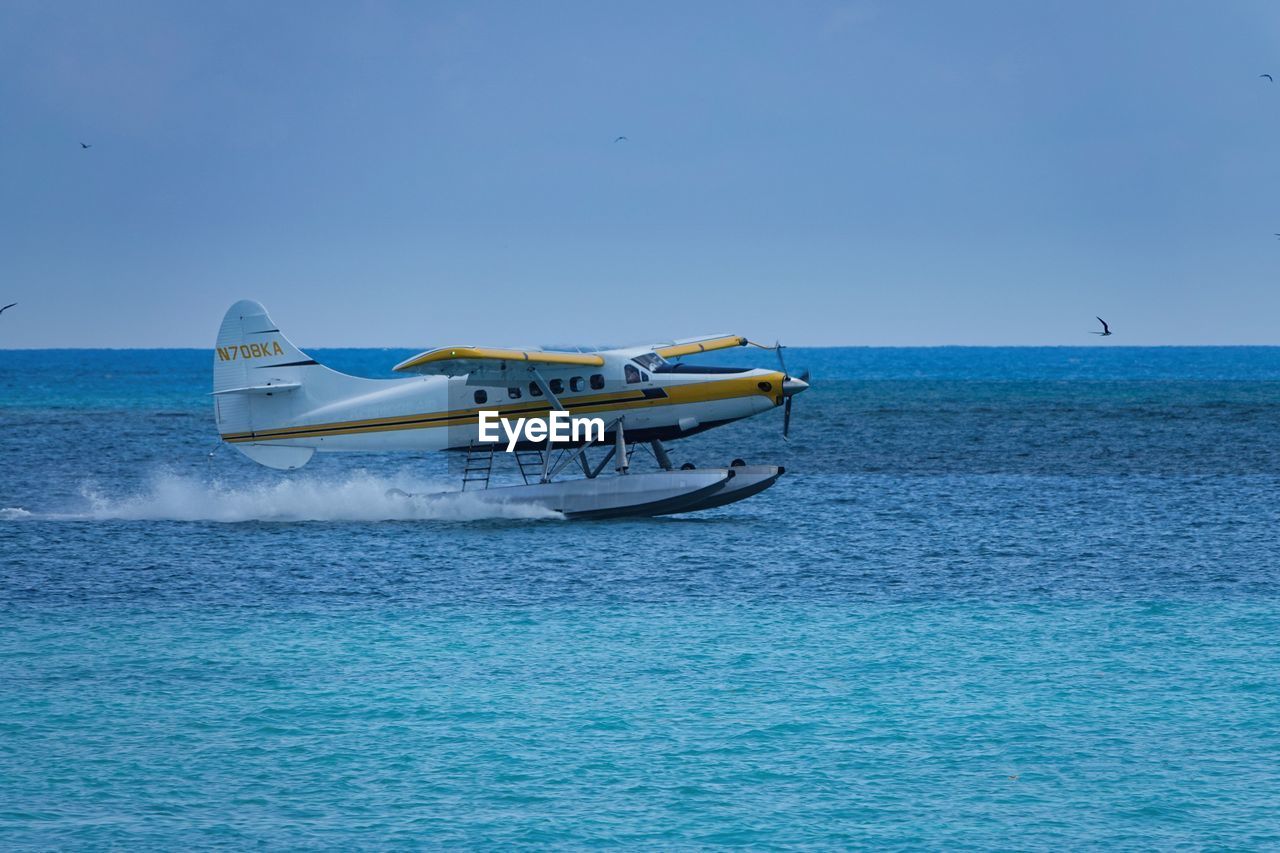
786 407
790 387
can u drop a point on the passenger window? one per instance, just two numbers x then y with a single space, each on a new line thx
577 383
632 374
557 386
534 390
597 382
482 397
513 393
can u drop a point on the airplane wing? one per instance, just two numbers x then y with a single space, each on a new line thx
490 363
689 346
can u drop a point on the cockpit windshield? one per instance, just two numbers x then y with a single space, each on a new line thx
650 361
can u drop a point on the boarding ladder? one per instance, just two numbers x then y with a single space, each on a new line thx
475 474
531 465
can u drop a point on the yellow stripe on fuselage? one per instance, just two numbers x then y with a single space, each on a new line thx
692 392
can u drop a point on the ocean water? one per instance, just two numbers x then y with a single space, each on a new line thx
1013 598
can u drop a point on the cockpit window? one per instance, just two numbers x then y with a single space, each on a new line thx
632 374
650 360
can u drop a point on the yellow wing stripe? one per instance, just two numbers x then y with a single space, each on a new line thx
676 350
492 354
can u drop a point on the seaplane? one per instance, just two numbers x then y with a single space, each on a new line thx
278 406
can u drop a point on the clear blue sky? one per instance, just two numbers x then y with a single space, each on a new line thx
417 174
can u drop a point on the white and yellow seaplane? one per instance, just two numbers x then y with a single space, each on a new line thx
279 406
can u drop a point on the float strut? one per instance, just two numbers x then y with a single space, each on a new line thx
546 463
620 446
603 462
660 453
580 454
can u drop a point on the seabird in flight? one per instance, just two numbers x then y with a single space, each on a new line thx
1268 76
1106 330
84 145
621 139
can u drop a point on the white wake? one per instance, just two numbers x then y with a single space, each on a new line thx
359 496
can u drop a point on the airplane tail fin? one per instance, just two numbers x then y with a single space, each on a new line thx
262 384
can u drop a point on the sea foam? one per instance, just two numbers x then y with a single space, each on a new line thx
358 496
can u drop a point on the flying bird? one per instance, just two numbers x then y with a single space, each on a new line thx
7 307
1268 76
1106 330
620 139
85 145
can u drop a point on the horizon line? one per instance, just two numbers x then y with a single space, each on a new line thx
1101 348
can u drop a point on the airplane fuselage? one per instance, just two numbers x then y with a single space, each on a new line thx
660 401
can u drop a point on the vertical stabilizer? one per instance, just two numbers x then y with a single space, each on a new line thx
261 381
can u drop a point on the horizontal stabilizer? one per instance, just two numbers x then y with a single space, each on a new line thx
269 388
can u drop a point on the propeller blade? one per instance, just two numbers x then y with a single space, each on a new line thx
804 376
777 345
786 419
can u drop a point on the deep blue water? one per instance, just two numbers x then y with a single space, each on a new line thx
1059 565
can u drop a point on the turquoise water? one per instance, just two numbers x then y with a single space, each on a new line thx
1057 565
